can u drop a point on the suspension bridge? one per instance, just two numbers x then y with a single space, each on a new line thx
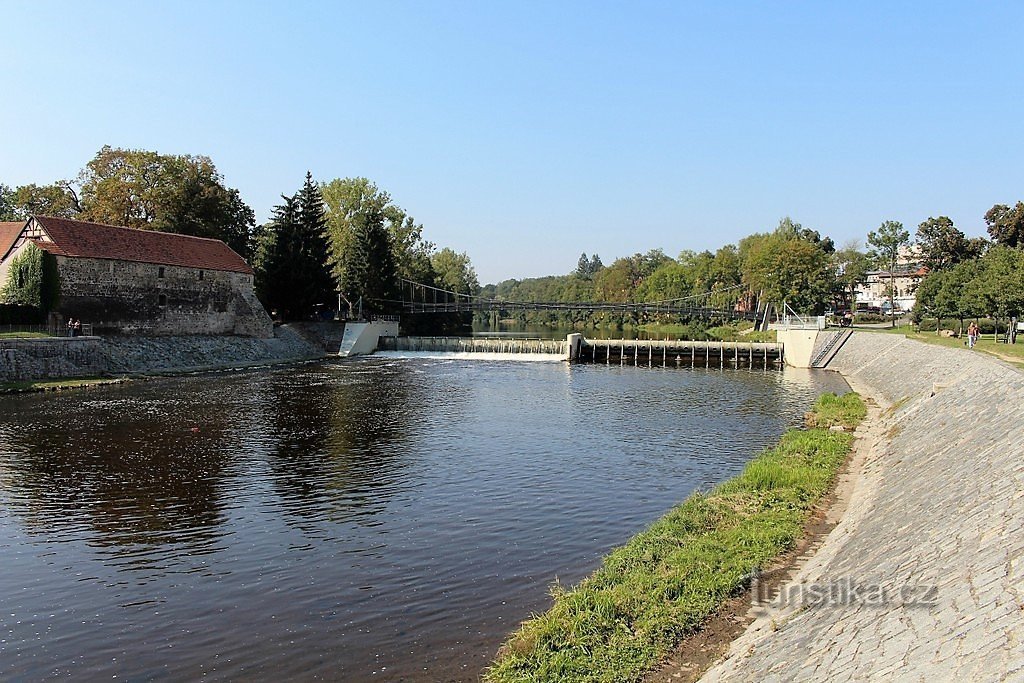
417 297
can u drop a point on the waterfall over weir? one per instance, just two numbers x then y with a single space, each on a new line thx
472 347
709 354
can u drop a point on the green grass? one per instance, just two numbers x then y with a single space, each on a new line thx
1013 353
845 411
22 335
668 580
55 385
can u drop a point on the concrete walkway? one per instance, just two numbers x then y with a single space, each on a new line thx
923 580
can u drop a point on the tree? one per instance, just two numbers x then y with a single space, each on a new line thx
851 265
58 199
7 205
791 270
583 266
293 276
373 242
455 272
171 193
942 244
886 244
1006 225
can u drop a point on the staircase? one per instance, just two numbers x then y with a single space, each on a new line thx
828 351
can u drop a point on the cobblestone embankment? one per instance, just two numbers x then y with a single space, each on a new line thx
923 579
57 358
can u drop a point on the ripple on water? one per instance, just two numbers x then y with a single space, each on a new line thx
384 517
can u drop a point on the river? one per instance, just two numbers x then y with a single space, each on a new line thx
375 519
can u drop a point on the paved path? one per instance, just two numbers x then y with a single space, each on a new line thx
924 577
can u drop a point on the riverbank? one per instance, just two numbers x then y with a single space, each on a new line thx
62 361
924 572
666 582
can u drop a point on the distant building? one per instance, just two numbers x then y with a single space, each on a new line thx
874 293
125 280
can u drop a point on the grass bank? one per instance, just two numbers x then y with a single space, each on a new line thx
668 580
23 335
1012 353
56 385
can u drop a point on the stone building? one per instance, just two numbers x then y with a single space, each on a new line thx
124 280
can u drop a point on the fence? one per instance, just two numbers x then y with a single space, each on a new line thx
45 330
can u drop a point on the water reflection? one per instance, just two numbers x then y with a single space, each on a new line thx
379 518
140 473
337 450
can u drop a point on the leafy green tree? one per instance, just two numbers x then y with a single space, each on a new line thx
171 193
1000 282
293 277
367 267
791 270
364 223
942 244
455 272
8 209
886 244
1006 224
57 199
851 266
621 281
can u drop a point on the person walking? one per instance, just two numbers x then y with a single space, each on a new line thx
973 331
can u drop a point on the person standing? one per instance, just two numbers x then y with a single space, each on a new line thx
973 332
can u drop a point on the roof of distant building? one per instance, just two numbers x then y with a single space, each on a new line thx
9 231
96 240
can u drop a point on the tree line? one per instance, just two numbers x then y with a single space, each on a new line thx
344 241
973 278
345 244
966 276
789 263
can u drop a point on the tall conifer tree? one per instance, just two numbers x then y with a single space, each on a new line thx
293 277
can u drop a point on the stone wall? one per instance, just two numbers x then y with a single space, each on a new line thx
149 299
64 358
57 358
935 527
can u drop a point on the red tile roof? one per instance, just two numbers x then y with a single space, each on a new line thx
8 233
96 240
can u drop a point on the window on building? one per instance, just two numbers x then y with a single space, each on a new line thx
200 275
161 273
163 298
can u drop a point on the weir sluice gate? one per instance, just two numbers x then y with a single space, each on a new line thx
576 349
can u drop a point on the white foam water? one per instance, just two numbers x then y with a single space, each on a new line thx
473 355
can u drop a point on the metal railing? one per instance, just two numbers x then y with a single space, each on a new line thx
14 331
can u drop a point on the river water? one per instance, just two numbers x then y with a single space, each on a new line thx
376 519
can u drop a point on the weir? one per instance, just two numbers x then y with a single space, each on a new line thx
577 349
681 353
474 345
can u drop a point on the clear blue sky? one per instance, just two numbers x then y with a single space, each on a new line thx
526 132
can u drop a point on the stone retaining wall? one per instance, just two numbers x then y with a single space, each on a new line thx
940 504
63 358
51 358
